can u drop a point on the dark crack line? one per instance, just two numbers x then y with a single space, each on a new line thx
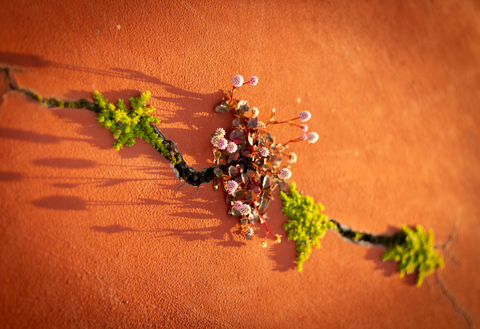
197 178
452 299
10 83
450 238
367 239
444 246
181 169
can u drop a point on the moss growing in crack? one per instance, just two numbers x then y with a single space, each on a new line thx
357 236
417 252
37 97
55 102
127 124
307 224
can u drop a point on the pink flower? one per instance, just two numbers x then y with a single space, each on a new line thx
253 80
222 143
214 141
284 173
304 128
220 132
249 231
232 147
303 137
231 186
245 210
312 137
238 205
304 116
237 80
264 151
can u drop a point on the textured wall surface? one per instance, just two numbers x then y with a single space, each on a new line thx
95 238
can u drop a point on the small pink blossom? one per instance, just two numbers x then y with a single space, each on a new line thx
238 205
237 81
284 173
222 143
231 186
304 128
304 116
312 137
245 210
232 147
264 151
303 137
253 80
214 140
220 132
249 231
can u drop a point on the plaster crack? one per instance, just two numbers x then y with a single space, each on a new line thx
452 299
181 169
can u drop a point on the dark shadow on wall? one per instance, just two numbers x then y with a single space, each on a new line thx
193 109
61 202
194 212
11 176
189 235
64 202
29 136
65 163
19 61
73 181
111 229
389 268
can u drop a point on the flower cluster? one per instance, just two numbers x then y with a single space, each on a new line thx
253 158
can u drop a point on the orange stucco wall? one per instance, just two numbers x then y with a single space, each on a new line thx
91 237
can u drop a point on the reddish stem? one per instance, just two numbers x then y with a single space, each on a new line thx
243 231
235 88
299 139
280 122
231 96
268 231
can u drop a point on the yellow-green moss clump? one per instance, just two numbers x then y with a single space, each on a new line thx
417 252
307 224
127 124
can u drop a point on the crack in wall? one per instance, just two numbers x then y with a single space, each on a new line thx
444 290
197 178
367 239
181 169
452 299
447 243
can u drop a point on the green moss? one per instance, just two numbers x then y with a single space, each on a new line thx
51 102
36 97
307 224
416 253
126 125
357 236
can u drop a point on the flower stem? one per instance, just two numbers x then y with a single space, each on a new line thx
280 122
268 231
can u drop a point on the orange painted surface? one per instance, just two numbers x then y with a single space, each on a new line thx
91 237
